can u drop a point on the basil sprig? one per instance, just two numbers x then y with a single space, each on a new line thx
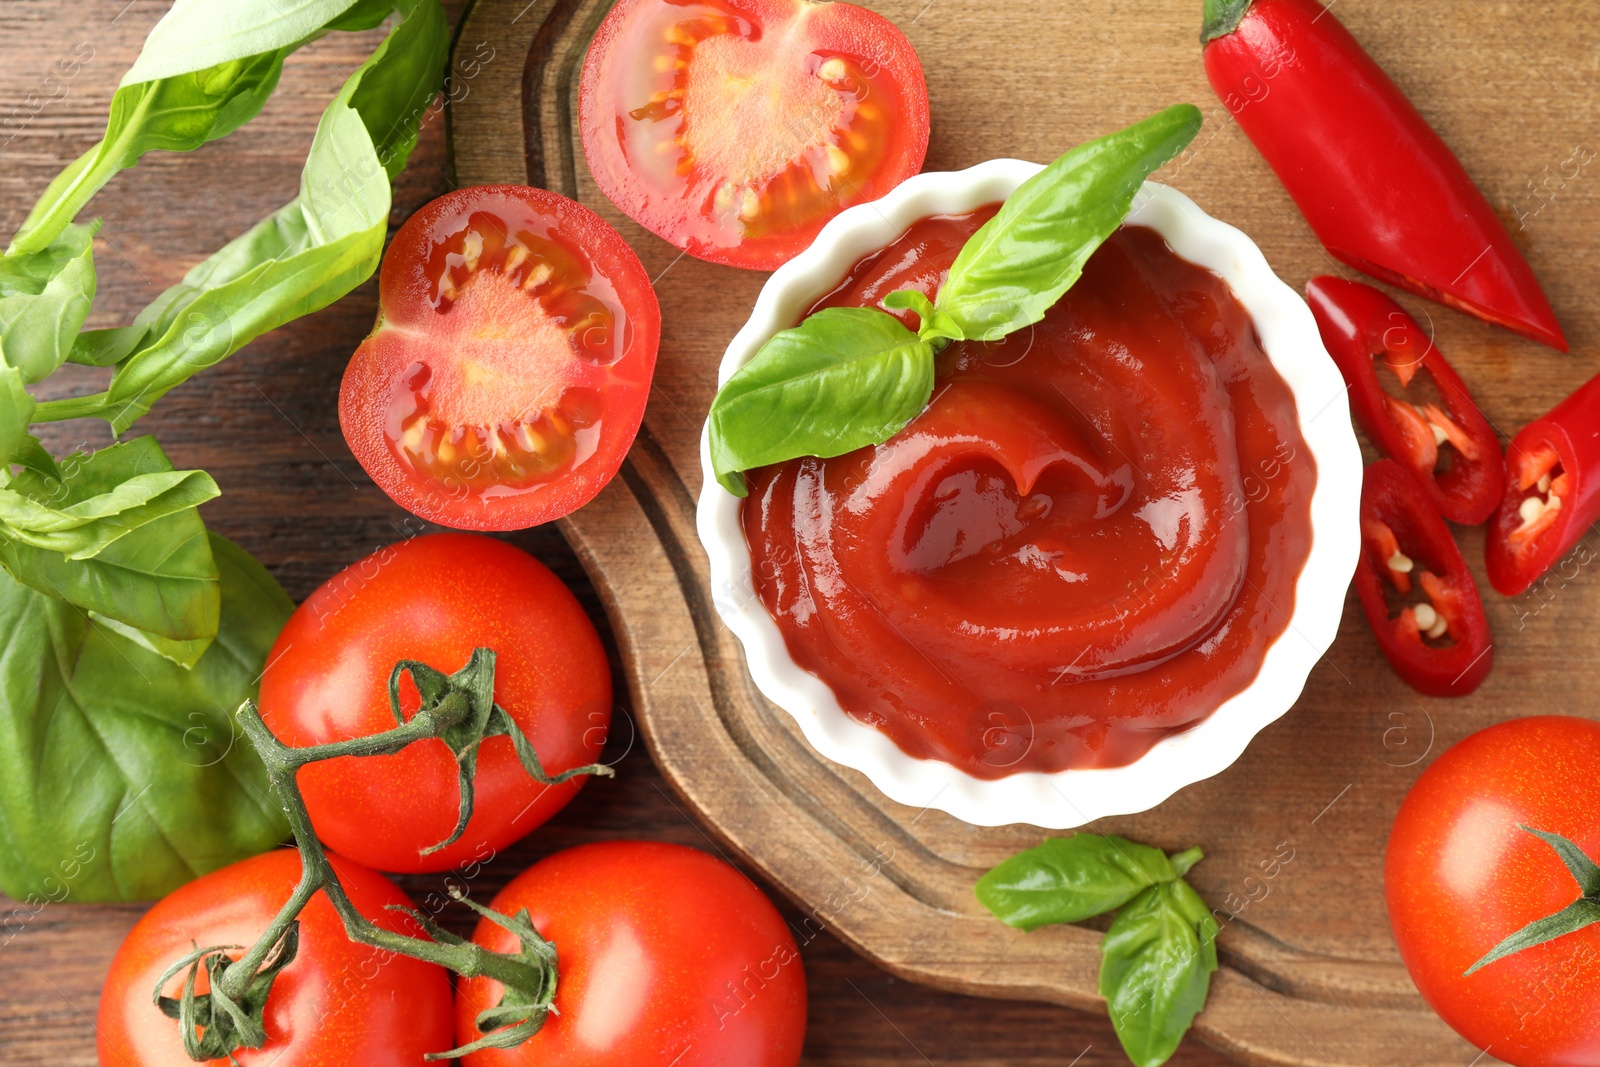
132 633
838 382
1159 953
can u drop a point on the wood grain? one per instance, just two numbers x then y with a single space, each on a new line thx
265 425
1310 972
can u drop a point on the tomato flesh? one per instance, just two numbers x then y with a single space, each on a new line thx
511 362
434 599
737 129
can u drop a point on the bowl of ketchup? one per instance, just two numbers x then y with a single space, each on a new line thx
1106 555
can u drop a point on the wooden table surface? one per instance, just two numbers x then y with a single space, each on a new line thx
265 425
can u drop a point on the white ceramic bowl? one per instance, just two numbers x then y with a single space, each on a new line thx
1069 798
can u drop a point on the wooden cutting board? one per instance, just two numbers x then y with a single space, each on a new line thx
1310 974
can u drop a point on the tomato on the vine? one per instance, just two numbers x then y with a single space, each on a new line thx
508 371
434 599
736 128
337 1003
666 957
1463 872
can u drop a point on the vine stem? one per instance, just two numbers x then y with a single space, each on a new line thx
457 709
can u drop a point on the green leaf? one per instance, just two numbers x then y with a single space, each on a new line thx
1158 957
121 775
85 529
139 555
935 324
31 454
198 34
44 301
1018 264
843 379
1069 879
176 114
16 411
205 70
184 653
307 255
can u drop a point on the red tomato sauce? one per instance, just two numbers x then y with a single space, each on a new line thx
1086 543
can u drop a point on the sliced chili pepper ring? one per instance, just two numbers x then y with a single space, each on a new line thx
1438 641
1362 328
1552 492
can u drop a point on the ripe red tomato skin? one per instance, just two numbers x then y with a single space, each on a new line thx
434 599
1459 876
342 1003
856 29
666 956
404 286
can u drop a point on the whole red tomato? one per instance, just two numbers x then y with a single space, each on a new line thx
666 956
434 599
737 128
1460 876
338 1003
508 371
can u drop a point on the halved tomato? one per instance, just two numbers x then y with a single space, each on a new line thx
736 128
511 362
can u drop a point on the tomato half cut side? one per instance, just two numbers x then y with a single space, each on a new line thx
511 362
736 128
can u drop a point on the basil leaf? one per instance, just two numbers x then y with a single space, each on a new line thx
843 379
1069 879
1155 972
120 535
311 252
935 325
44 302
30 453
205 70
121 774
198 34
1018 264
85 529
16 411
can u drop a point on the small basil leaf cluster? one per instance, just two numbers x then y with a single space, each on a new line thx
1160 950
846 378
1582 912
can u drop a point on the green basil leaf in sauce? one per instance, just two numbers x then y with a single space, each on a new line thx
846 378
1020 262
843 379
1070 879
1155 971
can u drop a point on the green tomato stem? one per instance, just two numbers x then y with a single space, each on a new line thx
458 709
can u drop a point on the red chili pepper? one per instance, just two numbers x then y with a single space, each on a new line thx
1552 492
1416 590
1438 434
1378 186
